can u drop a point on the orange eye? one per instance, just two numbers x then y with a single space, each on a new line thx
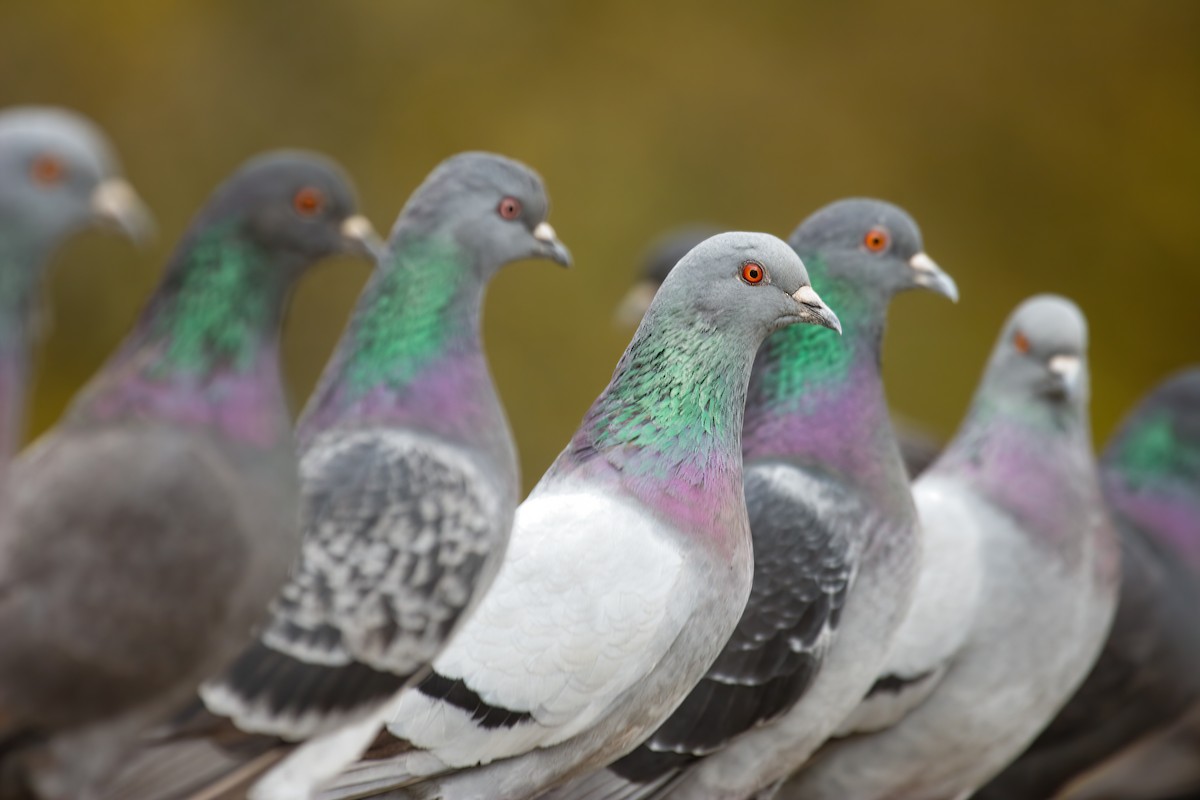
876 240
308 201
752 272
1021 342
510 208
47 170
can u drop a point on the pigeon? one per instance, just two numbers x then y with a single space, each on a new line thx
144 536
1148 674
58 174
918 447
1018 584
834 529
629 562
409 482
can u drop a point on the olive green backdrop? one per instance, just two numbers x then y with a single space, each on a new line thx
1041 146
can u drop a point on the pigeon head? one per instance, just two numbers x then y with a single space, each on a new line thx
298 207
751 282
1042 354
872 245
492 207
58 174
660 257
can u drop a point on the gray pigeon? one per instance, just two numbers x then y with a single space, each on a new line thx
57 175
918 447
1148 674
409 479
835 541
629 562
1018 584
145 535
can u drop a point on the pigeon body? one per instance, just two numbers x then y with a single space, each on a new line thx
1148 674
629 562
409 478
57 174
144 536
834 530
1017 589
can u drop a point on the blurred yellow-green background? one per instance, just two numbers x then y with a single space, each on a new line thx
1041 146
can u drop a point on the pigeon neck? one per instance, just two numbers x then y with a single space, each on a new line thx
206 349
667 427
817 398
1150 476
413 353
1030 459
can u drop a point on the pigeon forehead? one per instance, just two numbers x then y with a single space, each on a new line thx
665 251
476 171
286 171
1052 324
27 130
844 223
725 251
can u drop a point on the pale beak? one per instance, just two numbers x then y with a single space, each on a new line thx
551 247
360 237
115 204
814 310
927 274
1067 370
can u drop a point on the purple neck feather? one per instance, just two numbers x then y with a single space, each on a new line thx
1168 512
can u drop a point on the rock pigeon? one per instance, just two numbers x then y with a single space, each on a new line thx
57 174
409 479
629 562
918 447
1018 583
834 528
145 535
1148 674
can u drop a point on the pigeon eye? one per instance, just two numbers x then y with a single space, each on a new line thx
308 201
1021 342
876 240
510 208
753 273
47 170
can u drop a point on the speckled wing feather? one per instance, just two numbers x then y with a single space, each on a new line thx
398 529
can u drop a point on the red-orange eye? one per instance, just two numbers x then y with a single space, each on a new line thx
876 240
752 272
47 170
1021 342
308 201
510 208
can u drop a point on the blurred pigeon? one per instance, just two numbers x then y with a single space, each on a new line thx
409 476
57 175
146 534
1148 674
629 563
835 541
1018 583
918 447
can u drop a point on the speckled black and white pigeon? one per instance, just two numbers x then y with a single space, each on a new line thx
629 563
145 535
409 477
835 540
1148 675
918 447
57 174
1018 584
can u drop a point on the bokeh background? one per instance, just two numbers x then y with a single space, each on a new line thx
1041 146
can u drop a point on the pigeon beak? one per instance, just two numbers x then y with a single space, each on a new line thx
635 303
1067 371
360 238
814 311
115 204
927 274
549 245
